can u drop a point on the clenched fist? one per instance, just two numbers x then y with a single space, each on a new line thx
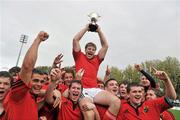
43 36
138 67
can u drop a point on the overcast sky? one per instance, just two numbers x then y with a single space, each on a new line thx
137 30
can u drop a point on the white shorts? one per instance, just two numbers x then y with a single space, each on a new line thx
91 92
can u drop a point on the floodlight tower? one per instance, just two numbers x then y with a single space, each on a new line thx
23 40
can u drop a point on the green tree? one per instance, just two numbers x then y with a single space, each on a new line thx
170 65
117 74
131 74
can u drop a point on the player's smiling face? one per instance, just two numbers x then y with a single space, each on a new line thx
135 95
150 95
75 92
144 81
36 83
90 51
112 87
123 90
68 77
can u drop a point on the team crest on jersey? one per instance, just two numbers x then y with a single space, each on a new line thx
126 111
146 109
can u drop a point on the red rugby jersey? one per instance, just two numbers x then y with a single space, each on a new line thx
69 111
167 115
89 79
148 110
19 104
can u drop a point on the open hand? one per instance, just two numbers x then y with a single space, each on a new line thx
58 60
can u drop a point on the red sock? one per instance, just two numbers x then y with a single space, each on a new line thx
109 116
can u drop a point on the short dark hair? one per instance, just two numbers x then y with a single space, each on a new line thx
91 44
133 84
45 72
14 70
125 82
110 79
76 81
7 75
37 71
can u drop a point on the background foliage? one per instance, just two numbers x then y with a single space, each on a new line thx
170 65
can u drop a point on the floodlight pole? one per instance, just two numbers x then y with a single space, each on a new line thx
23 40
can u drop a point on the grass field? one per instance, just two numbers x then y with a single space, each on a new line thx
176 113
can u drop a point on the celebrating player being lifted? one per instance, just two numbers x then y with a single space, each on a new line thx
90 63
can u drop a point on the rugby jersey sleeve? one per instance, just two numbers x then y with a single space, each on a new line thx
163 103
18 90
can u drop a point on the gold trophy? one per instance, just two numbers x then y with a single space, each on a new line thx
93 19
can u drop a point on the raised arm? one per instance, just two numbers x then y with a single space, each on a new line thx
104 43
31 57
169 89
107 74
77 38
55 76
148 76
